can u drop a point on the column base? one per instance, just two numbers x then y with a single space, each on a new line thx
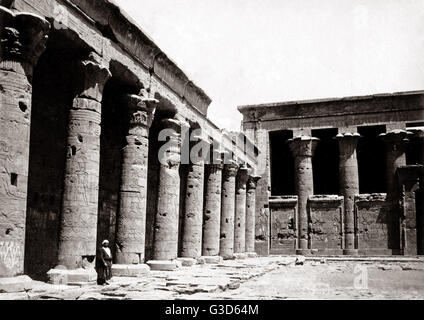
130 270
15 284
240 256
252 254
164 265
350 252
72 277
210 260
187 262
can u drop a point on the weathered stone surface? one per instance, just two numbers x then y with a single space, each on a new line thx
251 213
134 270
68 277
193 211
228 210
212 210
15 284
187 262
131 221
303 149
349 185
23 37
77 238
161 265
210 260
240 211
167 216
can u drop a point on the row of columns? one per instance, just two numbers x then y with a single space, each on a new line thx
218 202
303 148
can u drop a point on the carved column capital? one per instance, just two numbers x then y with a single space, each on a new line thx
396 140
303 146
252 182
91 79
141 111
242 177
348 143
23 36
231 168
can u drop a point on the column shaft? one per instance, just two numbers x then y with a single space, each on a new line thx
240 212
349 185
212 211
131 220
22 41
228 210
251 213
193 213
78 230
303 149
165 246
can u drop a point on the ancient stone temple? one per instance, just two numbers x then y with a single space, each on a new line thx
102 136
340 176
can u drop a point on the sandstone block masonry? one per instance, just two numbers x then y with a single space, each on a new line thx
364 147
92 141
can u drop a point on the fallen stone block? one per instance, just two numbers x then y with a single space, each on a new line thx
300 261
72 277
240 256
252 254
132 271
187 262
15 284
210 260
161 265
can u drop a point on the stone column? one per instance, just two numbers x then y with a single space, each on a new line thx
165 244
131 220
193 211
303 149
240 213
251 215
349 186
410 180
395 143
228 210
212 210
22 41
78 224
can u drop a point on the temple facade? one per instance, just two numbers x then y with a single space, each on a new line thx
102 136
340 176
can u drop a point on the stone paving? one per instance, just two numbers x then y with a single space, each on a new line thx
276 277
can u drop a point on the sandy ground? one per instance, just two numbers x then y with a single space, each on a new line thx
254 279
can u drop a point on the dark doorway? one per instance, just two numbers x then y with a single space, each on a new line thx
326 162
282 164
371 160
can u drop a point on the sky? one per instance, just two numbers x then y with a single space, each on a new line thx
243 52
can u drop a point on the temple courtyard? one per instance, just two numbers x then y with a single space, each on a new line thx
274 277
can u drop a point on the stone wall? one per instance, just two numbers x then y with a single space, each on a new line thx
283 230
326 232
373 228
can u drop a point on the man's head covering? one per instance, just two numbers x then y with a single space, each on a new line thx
105 242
